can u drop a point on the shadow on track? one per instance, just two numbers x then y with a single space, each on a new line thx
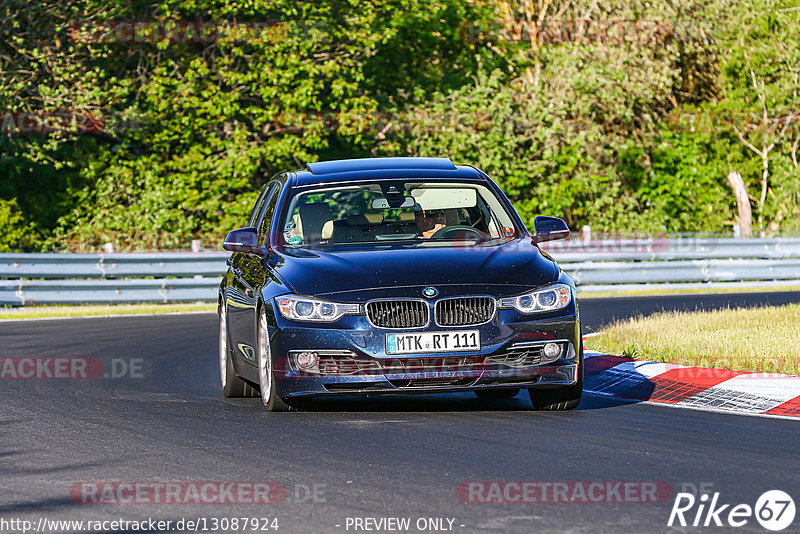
442 403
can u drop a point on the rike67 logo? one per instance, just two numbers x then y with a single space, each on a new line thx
774 510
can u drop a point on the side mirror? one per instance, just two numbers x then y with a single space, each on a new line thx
549 229
243 240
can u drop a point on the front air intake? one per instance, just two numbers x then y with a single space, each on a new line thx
398 313
464 311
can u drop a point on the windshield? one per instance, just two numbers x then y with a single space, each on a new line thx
432 213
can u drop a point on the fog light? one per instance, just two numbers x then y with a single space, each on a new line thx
307 360
551 350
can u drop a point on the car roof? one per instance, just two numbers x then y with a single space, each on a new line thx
374 164
367 169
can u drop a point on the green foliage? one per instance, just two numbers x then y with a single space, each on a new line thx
583 129
17 236
542 165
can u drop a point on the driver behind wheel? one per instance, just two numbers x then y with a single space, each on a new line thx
429 221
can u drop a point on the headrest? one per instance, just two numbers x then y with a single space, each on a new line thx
316 221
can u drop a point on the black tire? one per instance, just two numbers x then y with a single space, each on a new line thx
488 394
557 399
266 374
232 385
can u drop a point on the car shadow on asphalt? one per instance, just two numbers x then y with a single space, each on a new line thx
450 403
604 388
442 402
615 390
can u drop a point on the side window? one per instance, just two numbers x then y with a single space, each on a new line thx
257 208
267 212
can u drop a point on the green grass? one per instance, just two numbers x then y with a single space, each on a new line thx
42 312
765 339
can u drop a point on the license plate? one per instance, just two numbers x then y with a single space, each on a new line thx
433 342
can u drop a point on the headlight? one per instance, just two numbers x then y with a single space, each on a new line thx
308 309
550 298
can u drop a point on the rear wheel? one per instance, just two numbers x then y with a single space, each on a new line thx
566 398
486 394
232 385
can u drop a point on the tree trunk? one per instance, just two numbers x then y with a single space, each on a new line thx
745 218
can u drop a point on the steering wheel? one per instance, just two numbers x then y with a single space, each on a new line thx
443 233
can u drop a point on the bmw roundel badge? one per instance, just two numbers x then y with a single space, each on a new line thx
430 292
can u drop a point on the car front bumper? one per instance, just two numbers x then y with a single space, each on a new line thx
506 358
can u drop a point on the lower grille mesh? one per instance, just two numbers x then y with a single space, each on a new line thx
518 357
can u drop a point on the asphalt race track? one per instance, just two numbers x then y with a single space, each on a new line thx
377 458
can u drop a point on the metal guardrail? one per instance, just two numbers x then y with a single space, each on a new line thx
109 278
26 292
598 265
618 272
178 264
664 249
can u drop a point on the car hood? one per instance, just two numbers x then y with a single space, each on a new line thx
497 270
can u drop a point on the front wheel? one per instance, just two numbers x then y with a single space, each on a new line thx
566 398
269 395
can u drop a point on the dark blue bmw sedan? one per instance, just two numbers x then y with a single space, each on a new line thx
395 275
